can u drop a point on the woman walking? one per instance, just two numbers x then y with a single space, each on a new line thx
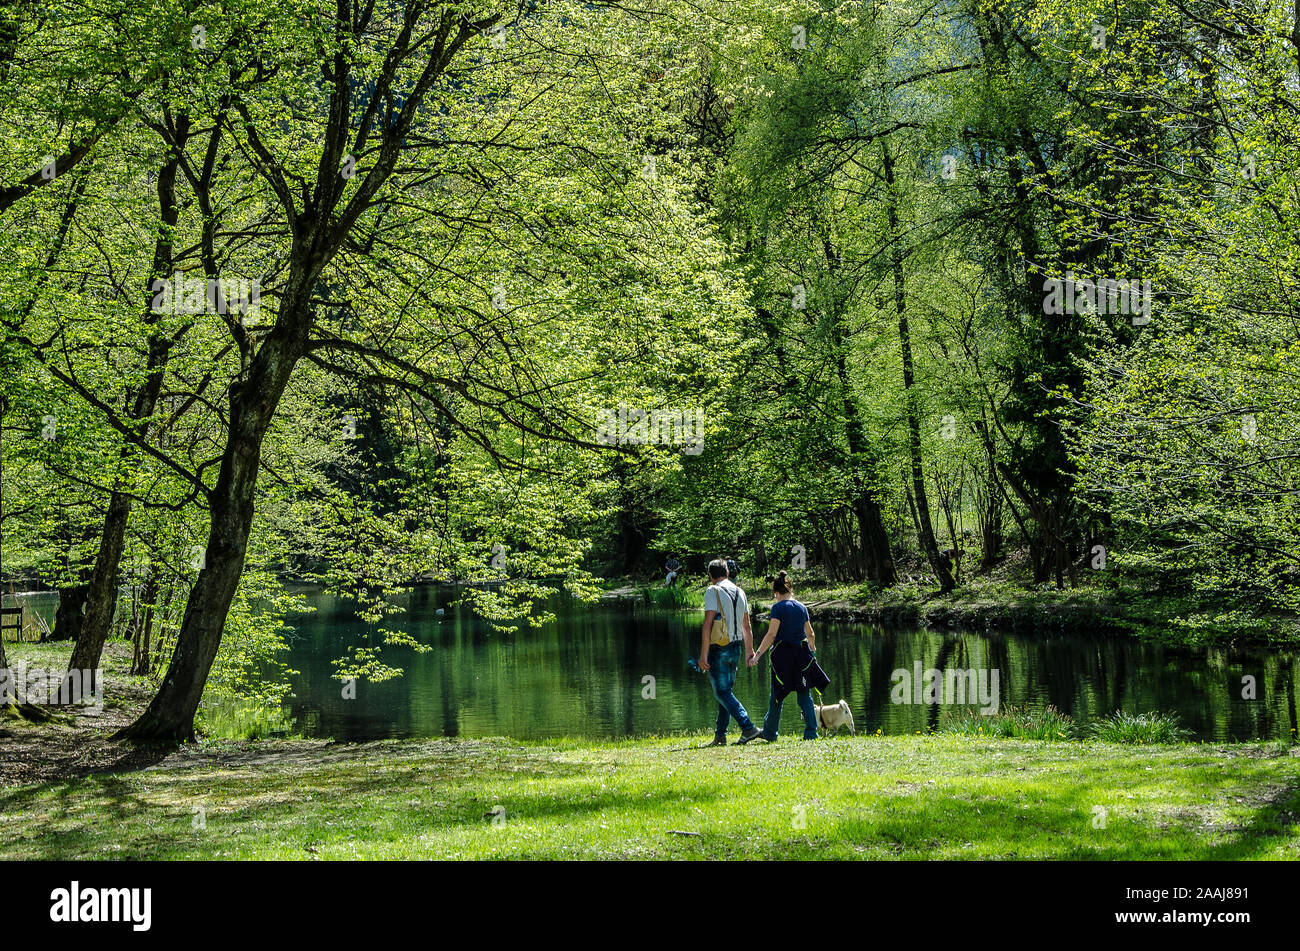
794 662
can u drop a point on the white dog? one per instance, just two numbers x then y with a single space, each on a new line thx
833 716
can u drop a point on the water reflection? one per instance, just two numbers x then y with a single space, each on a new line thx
583 675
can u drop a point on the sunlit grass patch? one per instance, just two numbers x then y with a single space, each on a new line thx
910 797
1140 728
1048 723
678 596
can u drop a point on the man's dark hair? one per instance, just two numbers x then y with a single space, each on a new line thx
717 569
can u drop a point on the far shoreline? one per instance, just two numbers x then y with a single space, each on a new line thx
982 605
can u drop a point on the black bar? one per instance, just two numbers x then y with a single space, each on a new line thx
942 900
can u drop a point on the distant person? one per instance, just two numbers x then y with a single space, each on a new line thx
727 631
674 568
733 570
794 661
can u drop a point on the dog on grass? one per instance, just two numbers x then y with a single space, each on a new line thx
832 716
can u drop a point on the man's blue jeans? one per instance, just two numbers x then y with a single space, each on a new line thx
723 664
773 719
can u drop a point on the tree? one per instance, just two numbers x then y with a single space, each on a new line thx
355 202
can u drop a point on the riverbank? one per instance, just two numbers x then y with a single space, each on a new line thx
989 604
980 607
871 797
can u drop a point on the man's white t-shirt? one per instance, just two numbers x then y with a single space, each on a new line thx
719 596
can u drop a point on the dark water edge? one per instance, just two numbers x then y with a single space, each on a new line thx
618 669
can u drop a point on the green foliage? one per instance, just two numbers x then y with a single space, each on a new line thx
678 596
1051 724
825 228
1139 728
1045 724
248 662
228 716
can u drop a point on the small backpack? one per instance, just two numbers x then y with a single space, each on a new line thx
720 634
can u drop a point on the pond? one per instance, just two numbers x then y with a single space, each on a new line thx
585 674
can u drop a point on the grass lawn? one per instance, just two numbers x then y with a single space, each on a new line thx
908 797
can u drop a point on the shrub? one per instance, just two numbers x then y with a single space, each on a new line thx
1021 724
678 596
1141 728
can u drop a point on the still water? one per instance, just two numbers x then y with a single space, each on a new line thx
585 674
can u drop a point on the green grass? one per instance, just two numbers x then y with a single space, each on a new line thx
678 596
1046 724
50 655
942 796
1140 728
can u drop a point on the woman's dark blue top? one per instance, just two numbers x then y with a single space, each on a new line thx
793 616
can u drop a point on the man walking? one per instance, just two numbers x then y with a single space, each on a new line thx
726 632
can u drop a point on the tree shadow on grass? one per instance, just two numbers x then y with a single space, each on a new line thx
1277 810
101 816
1067 826
61 765
109 804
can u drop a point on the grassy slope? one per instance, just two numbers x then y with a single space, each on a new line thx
867 797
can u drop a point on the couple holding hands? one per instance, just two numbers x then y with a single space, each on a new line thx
790 639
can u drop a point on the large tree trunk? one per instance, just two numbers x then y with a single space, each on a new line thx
70 613
874 538
170 716
990 500
924 523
